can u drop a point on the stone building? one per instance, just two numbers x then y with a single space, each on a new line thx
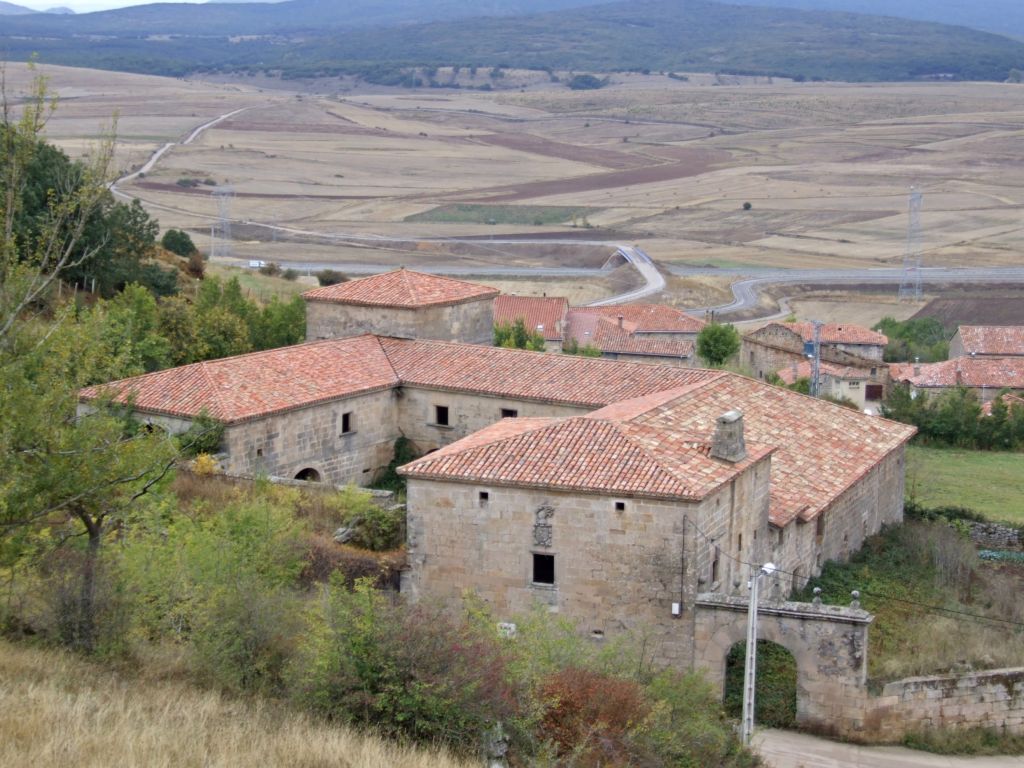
778 346
839 381
985 376
987 341
404 304
644 333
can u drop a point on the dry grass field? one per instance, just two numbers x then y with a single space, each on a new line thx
58 710
825 167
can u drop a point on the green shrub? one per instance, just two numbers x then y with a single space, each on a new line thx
330 277
389 479
775 700
374 527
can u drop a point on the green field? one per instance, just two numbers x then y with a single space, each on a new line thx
539 215
987 482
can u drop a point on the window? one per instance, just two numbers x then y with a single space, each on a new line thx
509 413
820 525
543 569
620 506
739 543
485 496
346 423
259 453
854 385
714 566
441 415
874 372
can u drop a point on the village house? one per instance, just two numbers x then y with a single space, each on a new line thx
985 376
987 341
776 347
653 333
842 382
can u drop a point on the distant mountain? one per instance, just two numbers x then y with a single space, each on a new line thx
60 10
1004 17
10 9
311 38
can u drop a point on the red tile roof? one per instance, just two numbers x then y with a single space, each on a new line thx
803 371
1005 340
249 386
402 288
648 318
515 373
607 335
245 387
838 333
586 453
820 449
535 311
1012 402
978 372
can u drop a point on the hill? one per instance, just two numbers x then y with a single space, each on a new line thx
1005 17
10 9
661 35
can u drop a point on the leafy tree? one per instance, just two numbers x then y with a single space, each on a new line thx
279 324
717 342
179 242
330 277
180 327
572 347
923 338
516 336
223 334
586 83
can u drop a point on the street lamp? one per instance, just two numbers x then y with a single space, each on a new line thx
750 671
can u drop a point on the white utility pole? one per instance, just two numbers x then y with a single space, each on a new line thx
750 670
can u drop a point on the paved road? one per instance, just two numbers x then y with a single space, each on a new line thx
749 282
785 749
654 282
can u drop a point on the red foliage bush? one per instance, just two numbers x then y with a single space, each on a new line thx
590 716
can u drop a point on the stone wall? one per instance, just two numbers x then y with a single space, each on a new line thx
875 500
673 362
993 699
311 438
772 348
471 322
996 535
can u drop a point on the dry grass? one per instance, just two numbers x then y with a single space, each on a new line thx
57 710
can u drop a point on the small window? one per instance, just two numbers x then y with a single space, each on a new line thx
441 415
259 453
739 543
543 569
509 413
346 423
874 372
620 506
485 496
820 525
714 566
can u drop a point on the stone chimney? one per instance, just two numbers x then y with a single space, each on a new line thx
727 444
917 366
621 318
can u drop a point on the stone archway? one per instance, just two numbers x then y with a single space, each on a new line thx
775 700
308 474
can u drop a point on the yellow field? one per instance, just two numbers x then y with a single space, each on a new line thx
58 710
825 167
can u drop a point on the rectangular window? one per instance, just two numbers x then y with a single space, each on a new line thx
441 415
620 506
739 543
346 423
543 569
509 413
820 525
485 496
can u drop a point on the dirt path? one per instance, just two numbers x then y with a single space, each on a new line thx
785 749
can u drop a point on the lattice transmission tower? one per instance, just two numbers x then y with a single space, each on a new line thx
222 244
910 284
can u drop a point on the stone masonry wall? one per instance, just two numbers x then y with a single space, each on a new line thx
771 349
996 535
993 699
673 362
285 444
471 322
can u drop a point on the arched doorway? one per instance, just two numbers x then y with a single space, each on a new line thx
309 474
775 693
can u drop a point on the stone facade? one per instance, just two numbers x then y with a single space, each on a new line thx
774 347
675 362
285 444
996 535
471 321
619 563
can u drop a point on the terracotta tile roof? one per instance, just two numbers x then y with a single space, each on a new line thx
530 375
803 371
402 288
607 335
989 372
838 333
244 387
656 444
535 311
586 453
648 318
248 386
1005 340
